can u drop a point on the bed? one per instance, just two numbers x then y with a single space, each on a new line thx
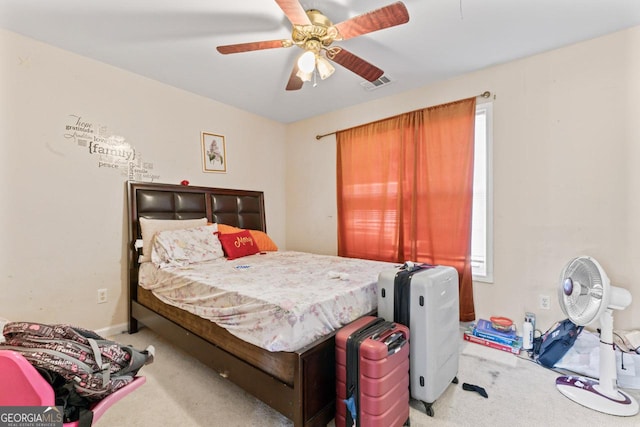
299 384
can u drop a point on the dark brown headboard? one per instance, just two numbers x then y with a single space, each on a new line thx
240 208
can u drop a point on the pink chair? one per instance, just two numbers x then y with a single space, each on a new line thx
22 385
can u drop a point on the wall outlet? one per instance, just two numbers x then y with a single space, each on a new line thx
102 296
545 302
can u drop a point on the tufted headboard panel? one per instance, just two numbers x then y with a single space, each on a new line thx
158 204
244 211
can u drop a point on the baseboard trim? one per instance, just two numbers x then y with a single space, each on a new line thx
110 331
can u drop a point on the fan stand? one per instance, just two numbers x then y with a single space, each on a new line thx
603 395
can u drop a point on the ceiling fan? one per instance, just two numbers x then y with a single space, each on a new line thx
315 33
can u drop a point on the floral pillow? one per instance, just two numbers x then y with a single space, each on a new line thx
177 248
237 245
150 227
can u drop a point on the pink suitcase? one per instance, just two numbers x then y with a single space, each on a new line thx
379 373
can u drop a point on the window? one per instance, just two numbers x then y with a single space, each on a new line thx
482 216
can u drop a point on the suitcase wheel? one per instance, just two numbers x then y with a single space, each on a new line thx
428 408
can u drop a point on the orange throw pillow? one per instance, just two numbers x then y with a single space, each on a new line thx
226 229
263 240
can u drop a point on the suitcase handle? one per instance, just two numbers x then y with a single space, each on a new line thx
383 333
392 338
396 346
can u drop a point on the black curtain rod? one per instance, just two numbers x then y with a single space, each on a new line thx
485 94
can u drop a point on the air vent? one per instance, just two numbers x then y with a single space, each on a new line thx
377 84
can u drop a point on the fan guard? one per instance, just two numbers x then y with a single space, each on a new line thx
583 276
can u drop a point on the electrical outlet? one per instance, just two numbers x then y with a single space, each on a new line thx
102 296
545 302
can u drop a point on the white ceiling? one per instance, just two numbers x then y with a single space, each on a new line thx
173 41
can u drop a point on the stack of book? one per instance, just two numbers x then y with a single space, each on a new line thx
483 333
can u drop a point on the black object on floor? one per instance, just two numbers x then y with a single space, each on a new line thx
476 388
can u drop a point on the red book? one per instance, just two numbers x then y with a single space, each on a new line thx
509 349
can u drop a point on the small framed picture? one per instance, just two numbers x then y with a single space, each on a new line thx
214 153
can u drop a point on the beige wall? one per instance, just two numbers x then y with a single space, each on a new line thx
566 180
62 218
566 144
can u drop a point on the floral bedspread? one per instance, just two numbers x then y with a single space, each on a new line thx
280 301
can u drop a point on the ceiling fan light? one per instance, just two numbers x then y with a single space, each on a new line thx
305 77
307 62
325 69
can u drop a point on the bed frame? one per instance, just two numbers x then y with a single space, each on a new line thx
300 384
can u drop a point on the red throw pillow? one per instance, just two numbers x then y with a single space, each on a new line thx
237 245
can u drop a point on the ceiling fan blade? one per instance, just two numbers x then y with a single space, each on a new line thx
247 47
354 63
385 17
294 11
294 83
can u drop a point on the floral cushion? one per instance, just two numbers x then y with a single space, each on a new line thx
176 248
150 227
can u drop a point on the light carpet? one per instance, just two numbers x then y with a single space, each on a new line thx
181 391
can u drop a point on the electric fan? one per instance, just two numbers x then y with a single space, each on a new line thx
586 295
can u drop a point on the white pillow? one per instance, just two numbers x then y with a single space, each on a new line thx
149 227
177 248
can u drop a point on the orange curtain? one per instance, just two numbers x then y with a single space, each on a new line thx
405 189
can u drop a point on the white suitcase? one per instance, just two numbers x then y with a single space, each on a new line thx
433 324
